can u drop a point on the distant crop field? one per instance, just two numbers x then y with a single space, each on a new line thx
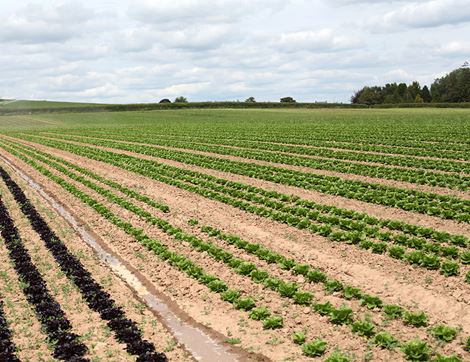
294 235
20 104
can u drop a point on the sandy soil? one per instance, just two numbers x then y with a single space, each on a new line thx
97 337
378 211
391 286
346 176
366 163
85 322
444 299
26 329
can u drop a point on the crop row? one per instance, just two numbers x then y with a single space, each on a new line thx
286 264
237 298
411 200
427 256
202 144
67 345
126 331
386 144
369 141
341 315
7 347
453 181
352 220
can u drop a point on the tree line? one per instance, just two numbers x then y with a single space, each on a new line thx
452 88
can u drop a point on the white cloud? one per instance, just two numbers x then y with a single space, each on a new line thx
183 12
423 15
141 51
38 23
323 40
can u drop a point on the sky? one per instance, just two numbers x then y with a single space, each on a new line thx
209 50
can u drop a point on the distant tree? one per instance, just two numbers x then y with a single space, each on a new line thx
181 99
288 100
250 100
413 90
454 87
369 96
426 94
165 100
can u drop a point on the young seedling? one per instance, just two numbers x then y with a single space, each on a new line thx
315 348
299 338
416 350
385 340
418 319
393 311
260 313
450 268
363 328
342 315
273 322
303 298
444 333
338 356
451 358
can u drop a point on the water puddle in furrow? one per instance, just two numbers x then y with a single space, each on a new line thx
200 345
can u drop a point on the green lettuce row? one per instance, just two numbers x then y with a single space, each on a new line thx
411 200
427 260
454 181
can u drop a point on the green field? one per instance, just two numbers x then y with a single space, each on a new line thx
385 191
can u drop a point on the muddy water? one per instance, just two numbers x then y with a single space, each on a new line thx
197 342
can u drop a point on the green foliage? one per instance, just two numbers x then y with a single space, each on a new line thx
217 286
444 333
396 252
416 350
323 308
451 358
230 295
385 340
466 345
316 276
363 328
181 99
193 222
371 302
465 257
303 298
302 269
393 311
454 87
450 268
418 319
341 315
299 338
351 292
338 356
315 348
287 289
260 313
332 286
246 304
273 322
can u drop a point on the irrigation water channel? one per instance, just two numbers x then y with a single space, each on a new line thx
201 346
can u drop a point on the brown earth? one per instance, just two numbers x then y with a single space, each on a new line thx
373 273
99 339
345 176
375 210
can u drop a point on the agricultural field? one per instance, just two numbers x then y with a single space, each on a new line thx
286 235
